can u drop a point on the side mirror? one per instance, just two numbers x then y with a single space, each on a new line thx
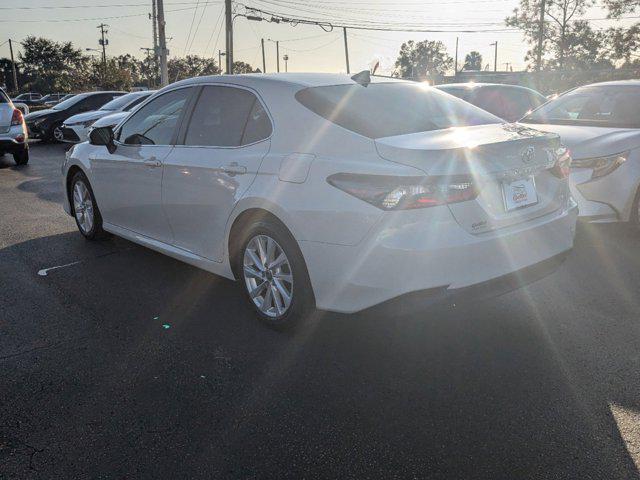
103 136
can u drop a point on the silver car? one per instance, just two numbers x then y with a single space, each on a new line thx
13 131
600 124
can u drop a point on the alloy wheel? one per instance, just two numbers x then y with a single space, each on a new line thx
57 134
83 206
268 276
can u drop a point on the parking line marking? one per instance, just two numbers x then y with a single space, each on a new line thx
44 271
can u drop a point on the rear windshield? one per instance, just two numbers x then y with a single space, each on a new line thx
70 101
605 106
119 103
389 109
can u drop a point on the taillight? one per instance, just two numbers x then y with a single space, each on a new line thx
602 165
562 167
16 118
404 193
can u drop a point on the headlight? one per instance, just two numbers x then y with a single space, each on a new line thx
602 165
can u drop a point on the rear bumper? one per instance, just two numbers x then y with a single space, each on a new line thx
8 142
430 251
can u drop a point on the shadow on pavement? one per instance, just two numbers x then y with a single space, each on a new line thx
132 364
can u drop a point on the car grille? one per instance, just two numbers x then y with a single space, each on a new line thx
69 134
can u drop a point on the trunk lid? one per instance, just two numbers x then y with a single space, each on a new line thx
502 159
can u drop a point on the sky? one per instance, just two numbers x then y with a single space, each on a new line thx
196 27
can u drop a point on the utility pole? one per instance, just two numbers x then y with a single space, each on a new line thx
150 73
229 46
543 6
495 61
286 59
104 43
154 29
13 67
278 54
264 62
456 64
162 44
220 55
346 48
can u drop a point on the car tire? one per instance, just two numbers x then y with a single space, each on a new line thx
21 157
255 267
85 208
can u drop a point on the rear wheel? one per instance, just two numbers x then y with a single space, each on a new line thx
274 276
85 208
21 157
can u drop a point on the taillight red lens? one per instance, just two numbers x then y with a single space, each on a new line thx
562 168
404 193
17 118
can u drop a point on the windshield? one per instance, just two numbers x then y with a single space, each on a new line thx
388 109
70 101
119 103
605 106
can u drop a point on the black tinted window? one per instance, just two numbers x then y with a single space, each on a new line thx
258 125
3 97
221 116
388 109
156 122
605 106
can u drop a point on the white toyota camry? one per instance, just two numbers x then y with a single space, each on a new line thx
325 191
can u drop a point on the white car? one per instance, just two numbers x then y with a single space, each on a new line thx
13 131
318 190
600 124
110 120
76 128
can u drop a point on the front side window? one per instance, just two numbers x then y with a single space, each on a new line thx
389 109
595 106
227 117
156 122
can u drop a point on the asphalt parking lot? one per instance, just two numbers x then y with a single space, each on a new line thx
127 364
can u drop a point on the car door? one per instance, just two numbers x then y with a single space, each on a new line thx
128 182
217 158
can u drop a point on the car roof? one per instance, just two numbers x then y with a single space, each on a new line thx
292 79
616 83
479 84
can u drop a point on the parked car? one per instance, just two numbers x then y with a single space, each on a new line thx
53 99
76 129
600 123
13 131
318 190
47 124
110 120
29 98
509 102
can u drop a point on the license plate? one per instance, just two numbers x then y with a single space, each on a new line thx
519 194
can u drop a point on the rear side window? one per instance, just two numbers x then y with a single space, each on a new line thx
389 109
227 117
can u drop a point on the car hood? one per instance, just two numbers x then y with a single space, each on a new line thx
87 116
111 120
590 142
39 114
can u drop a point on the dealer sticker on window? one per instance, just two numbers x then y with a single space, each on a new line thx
519 193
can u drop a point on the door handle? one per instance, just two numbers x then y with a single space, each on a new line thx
234 169
153 162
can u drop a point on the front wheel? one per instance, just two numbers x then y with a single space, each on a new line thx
85 208
274 275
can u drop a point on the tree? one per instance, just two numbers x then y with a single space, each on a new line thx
50 66
191 66
619 7
422 59
242 67
473 61
559 25
623 42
